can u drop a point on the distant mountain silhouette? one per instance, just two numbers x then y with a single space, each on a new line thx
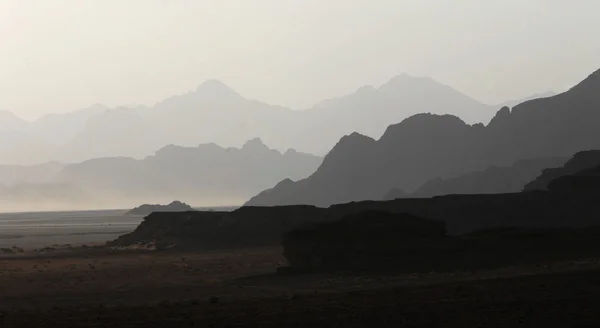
59 129
580 162
587 180
215 113
513 103
425 146
205 174
42 173
10 122
493 180
39 141
146 209
395 194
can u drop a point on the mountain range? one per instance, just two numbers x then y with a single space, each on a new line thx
215 113
203 175
426 146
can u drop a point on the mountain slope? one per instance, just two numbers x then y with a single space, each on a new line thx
513 103
580 162
425 146
10 122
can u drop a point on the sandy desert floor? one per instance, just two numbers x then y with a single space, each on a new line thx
97 287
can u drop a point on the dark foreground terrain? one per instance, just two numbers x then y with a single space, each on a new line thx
100 288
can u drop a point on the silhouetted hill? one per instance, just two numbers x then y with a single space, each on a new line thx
493 180
425 146
60 129
147 209
42 173
10 122
395 194
583 181
206 174
581 161
399 98
22 148
513 103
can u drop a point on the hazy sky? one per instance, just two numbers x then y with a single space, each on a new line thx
60 55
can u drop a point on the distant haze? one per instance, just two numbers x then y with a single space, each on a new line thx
62 55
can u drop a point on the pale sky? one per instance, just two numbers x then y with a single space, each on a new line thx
61 55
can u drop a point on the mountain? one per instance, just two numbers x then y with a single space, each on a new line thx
213 112
41 173
29 143
205 174
369 110
115 132
426 146
513 103
61 128
10 122
22 148
493 180
580 162
396 194
147 209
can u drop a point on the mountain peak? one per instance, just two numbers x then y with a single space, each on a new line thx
405 78
365 89
215 87
407 84
254 144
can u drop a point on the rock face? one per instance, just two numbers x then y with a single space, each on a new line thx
146 209
425 146
580 162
